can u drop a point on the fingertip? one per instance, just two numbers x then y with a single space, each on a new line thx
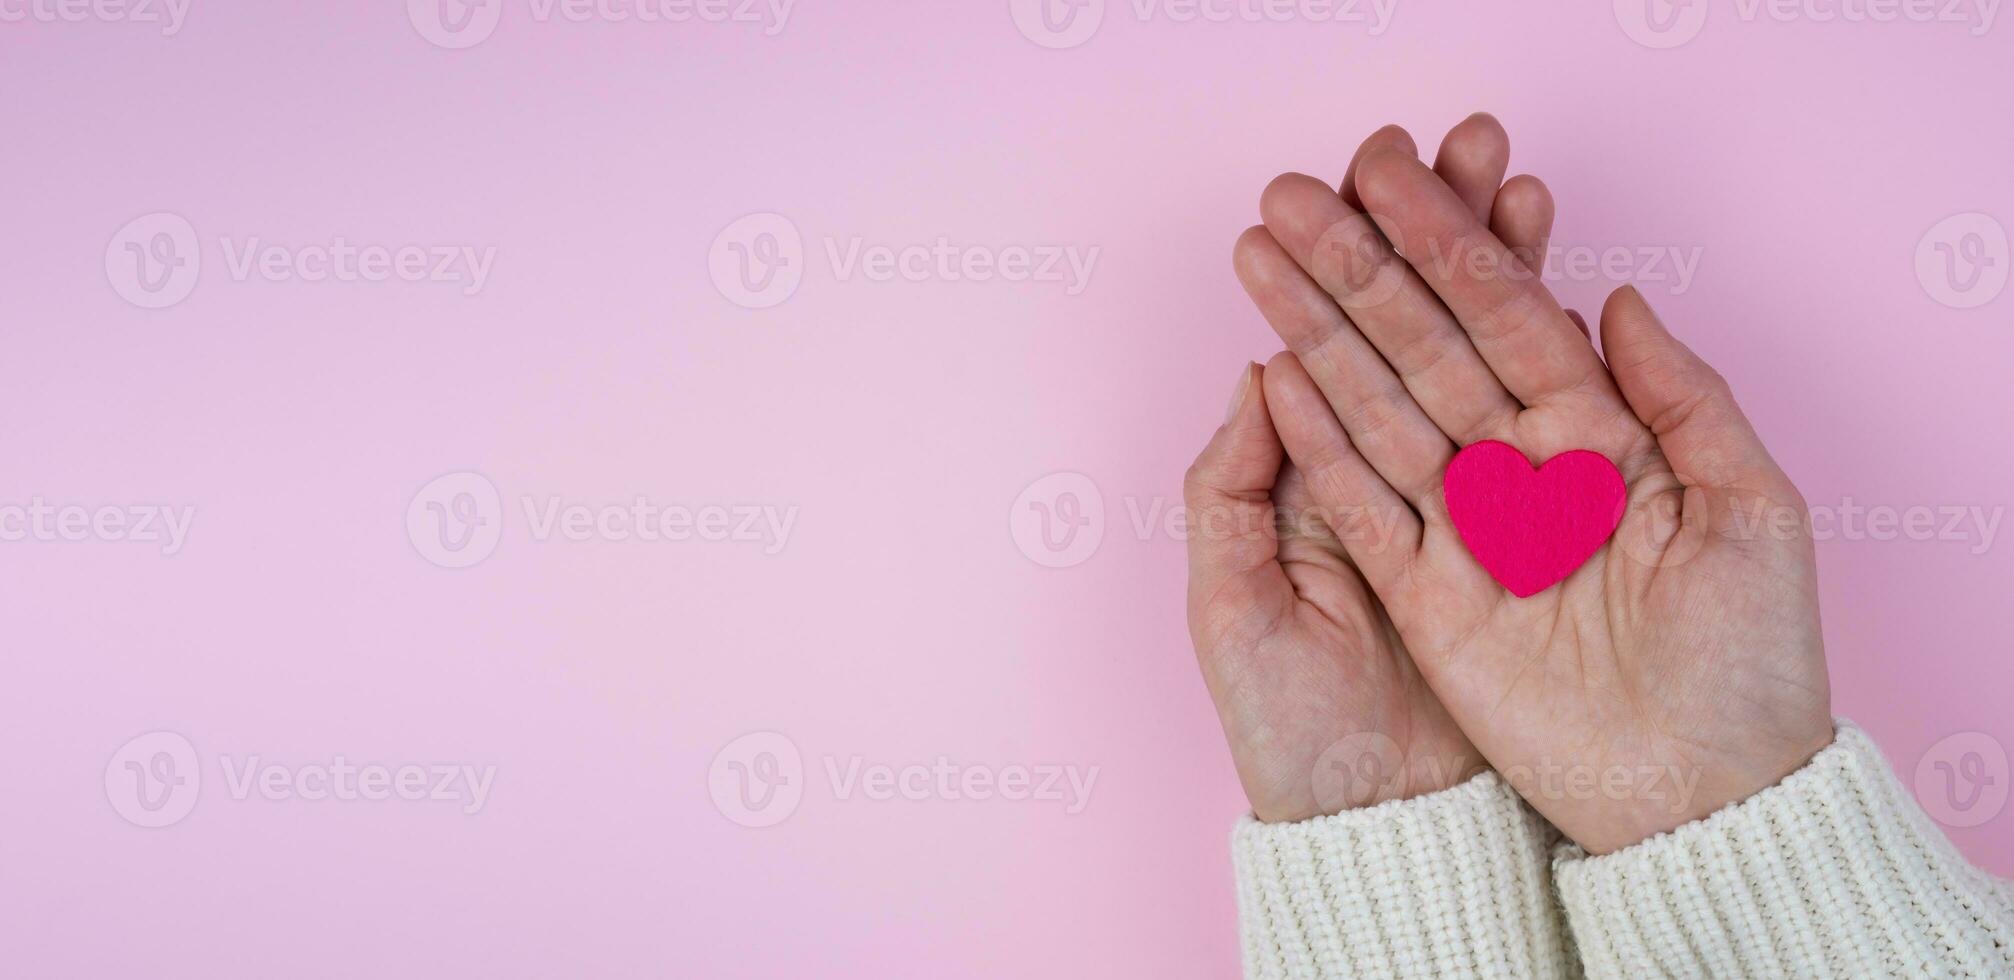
1248 397
1284 187
1250 243
1288 198
1280 369
1522 218
1380 170
1291 391
1528 196
1625 312
1479 141
1245 452
1632 338
1392 136
1259 262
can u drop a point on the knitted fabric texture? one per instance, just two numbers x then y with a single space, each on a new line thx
1451 884
1834 872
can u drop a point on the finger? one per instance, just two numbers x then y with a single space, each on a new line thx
1228 493
1580 322
1301 541
1513 321
1473 158
1378 531
1522 218
1687 405
1387 137
1343 251
1388 427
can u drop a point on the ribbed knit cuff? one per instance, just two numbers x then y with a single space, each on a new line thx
1452 884
1834 872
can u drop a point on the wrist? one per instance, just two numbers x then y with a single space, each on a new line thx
1694 788
1357 772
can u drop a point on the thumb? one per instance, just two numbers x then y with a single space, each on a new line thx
1686 404
1228 493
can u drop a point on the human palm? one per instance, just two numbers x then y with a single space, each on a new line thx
1681 668
1678 671
1322 705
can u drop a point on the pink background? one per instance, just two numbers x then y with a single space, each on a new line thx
901 622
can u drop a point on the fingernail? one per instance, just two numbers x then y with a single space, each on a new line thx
1238 395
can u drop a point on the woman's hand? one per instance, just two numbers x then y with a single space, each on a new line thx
1681 668
1322 705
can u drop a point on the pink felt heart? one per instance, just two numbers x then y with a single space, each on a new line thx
1531 527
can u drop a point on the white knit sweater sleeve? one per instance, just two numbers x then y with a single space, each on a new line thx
1452 884
1834 872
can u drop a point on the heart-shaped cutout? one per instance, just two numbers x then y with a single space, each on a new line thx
1532 527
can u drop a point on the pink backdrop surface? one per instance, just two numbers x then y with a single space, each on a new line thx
908 511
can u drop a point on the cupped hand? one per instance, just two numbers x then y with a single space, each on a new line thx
1322 705
1681 668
